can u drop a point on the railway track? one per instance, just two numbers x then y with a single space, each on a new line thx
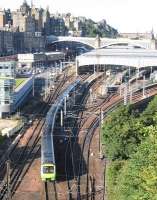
74 182
71 177
68 175
28 154
84 162
50 191
107 106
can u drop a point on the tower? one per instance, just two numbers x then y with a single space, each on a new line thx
31 3
152 34
97 41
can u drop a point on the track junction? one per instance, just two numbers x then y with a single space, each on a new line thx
77 148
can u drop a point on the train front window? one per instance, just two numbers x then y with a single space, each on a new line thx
48 169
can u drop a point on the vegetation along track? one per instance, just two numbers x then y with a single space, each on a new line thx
108 105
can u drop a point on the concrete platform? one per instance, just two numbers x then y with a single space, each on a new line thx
9 126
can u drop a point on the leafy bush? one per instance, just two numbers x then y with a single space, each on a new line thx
131 143
121 133
138 178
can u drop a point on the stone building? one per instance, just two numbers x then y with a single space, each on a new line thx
23 20
24 23
33 42
57 26
18 42
6 43
37 15
2 18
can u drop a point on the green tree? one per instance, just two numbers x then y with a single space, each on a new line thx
138 178
113 170
121 133
149 116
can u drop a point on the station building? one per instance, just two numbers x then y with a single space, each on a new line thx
34 62
11 97
30 60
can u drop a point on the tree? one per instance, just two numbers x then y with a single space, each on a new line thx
121 133
138 178
133 137
149 116
113 170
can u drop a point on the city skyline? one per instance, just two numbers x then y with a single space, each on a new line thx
124 15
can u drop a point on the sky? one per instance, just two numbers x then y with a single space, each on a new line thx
124 15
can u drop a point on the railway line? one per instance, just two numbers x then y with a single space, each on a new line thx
93 126
23 160
79 178
50 191
69 172
59 103
71 149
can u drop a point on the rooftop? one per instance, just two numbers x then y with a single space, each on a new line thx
121 52
8 123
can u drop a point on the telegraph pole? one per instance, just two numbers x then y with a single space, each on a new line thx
61 118
94 69
76 64
8 181
125 95
90 95
137 74
46 84
130 95
65 105
144 86
120 90
101 116
33 85
61 66
129 72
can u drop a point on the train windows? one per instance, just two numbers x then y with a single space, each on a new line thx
48 169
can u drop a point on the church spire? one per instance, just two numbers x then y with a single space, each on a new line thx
24 2
31 3
152 34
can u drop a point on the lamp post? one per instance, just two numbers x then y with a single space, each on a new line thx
144 86
101 116
8 181
125 95
33 85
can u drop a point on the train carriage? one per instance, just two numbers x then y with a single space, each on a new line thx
48 168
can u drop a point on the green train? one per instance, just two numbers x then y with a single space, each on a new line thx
48 167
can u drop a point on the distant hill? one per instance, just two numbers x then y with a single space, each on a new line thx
91 29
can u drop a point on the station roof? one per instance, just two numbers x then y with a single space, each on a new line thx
122 56
121 52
